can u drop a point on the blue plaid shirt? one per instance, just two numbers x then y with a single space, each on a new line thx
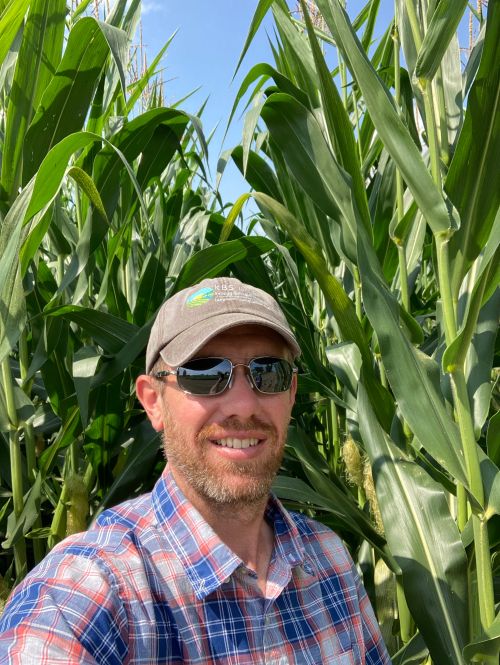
152 583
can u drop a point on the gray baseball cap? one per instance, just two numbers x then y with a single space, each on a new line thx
191 317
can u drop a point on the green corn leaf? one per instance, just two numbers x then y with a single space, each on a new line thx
260 12
107 330
487 647
258 173
127 355
416 517
439 33
493 438
66 101
472 181
213 260
451 84
342 306
413 652
85 363
49 341
11 20
298 135
38 57
455 354
17 527
346 363
263 71
69 431
411 373
338 122
249 126
395 136
297 53
138 87
12 302
309 384
334 501
80 9
136 462
232 217
150 293
118 42
127 144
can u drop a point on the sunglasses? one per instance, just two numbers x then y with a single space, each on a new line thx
212 376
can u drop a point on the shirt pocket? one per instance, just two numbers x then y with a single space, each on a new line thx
330 654
348 658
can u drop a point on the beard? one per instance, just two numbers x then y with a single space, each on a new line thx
224 482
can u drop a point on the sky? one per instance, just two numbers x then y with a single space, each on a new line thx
204 52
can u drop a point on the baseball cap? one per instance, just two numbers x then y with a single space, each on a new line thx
191 317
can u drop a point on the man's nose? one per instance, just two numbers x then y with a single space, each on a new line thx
242 397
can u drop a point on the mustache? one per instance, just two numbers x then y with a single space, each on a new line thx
238 425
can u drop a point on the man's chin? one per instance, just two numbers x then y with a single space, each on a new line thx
236 492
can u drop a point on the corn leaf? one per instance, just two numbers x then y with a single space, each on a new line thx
410 372
472 181
260 12
298 135
38 57
333 501
338 122
12 301
395 136
487 647
10 21
85 362
441 30
416 517
127 144
211 261
65 103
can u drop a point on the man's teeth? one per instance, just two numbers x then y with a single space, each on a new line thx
230 442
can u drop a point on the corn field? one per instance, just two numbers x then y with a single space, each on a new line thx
373 175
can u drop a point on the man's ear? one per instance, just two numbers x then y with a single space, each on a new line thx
150 397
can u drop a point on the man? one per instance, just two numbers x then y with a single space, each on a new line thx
209 567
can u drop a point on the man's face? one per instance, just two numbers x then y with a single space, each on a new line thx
226 449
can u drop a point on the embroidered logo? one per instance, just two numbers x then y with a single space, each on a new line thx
200 297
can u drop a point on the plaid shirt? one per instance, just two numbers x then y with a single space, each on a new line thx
152 583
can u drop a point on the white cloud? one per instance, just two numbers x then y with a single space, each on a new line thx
150 7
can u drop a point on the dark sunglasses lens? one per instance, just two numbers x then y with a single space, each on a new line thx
271 375
204 376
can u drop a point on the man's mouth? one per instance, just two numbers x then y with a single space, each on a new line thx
232 442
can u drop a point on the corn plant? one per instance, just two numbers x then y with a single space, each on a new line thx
375 168
101 209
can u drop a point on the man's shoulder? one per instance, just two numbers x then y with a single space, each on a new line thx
114 532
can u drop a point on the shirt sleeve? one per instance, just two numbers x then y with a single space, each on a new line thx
67 610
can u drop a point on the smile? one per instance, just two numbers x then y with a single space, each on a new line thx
231 442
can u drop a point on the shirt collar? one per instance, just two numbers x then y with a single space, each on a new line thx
208 561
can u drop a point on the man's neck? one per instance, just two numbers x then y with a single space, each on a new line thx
242 527
247 533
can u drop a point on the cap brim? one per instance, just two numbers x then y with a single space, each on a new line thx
189 342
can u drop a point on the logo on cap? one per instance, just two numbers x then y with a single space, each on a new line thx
200 297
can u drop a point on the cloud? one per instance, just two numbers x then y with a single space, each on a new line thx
150 7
